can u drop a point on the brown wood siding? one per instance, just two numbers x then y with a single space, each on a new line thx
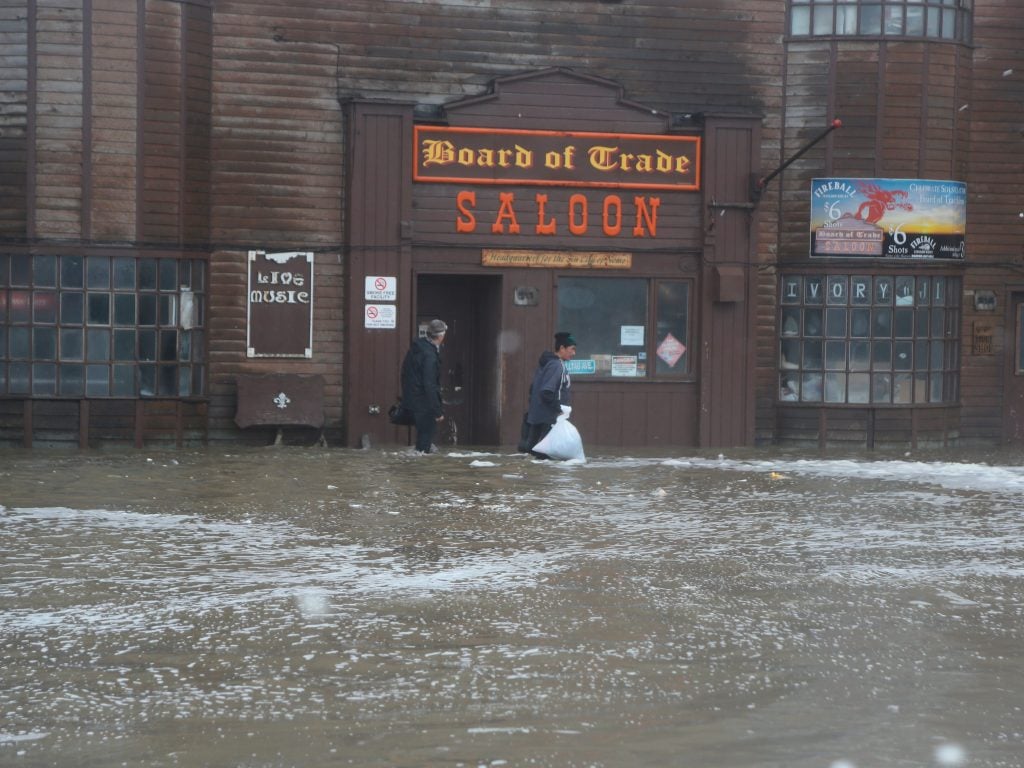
163 142
58 120
114 127
14 119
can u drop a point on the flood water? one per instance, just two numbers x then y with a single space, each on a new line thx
327 607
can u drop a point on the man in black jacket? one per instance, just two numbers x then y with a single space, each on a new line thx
549 391
421 384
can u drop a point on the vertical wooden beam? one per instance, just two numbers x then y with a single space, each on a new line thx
83 423
140 419
179 427
26 414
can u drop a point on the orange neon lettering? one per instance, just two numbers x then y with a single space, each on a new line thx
645 215
578 204
544 227
464 201
612 203
505 211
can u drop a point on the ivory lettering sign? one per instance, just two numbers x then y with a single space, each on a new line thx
280 304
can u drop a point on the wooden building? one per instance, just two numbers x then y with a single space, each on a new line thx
219 218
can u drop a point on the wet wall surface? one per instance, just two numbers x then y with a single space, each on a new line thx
324 607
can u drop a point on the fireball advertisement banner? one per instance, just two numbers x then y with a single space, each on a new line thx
888 218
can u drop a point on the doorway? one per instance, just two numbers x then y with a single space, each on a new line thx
1014 402
470 364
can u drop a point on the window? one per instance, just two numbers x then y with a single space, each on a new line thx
940 19
101 326
612 320
860 339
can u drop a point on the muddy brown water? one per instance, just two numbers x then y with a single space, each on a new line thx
326 607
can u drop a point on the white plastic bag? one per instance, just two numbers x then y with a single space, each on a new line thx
563 442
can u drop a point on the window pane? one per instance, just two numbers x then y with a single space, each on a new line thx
800 21
124 381
883 290
168 380
97 272
608 317
124 274
893 19
97 344
846 20
881 388
882 322
792 289
881 355
812 322
44 379
21 302
859 388
860 290
147 274
790 322
812 355
871 19
99 308
789 387
124 309
835 323
810 387
823 19
71 308
790 354
903 354
97 380
44 343
168 345
147 380
124 345
44 307
835 355
72 380
814 291
948 24
18 339
72 345
71 272
860 323
147 309
184 381
671 334
147 345
860 355
5 266
168 275
21 273
18 378
838 288
835 387
44 270
915 21
168 309
903 327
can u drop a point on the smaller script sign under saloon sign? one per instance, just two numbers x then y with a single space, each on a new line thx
280 304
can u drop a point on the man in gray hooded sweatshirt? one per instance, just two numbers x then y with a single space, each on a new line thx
549 390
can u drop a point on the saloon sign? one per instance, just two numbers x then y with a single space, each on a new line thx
625 169
888 218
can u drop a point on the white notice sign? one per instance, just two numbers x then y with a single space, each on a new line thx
380 316
378 288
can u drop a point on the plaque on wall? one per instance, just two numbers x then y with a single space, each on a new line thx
279 317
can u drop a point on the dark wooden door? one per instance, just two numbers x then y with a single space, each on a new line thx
469 357
1014 403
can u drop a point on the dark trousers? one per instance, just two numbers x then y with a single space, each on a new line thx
537 433
426 428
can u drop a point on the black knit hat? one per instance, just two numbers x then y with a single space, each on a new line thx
564 339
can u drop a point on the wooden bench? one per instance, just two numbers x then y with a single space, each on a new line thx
281 400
